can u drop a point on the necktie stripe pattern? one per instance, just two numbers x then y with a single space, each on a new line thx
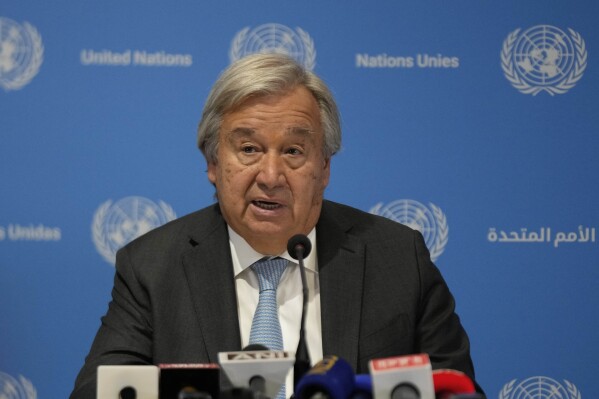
266 328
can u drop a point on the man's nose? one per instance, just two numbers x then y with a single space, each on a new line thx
271 173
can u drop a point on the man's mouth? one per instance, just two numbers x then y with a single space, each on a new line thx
267 205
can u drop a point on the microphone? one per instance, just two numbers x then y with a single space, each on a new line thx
127 382
331 378
262 371
299 247
451 382
402 377
363 387
189 381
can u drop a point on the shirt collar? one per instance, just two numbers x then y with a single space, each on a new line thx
243 255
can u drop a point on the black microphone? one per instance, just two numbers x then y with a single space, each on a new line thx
299 247
189 381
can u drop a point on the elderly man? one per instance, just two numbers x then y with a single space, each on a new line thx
190 289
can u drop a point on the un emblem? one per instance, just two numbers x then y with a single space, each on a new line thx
118 224
11 388
543 58
432 223
539 388
21 54
274 38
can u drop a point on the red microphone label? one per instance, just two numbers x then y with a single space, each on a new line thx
400 362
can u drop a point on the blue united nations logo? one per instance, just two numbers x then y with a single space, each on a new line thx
21 54
12 388
118 224
274 38
543 58
539 388
431 222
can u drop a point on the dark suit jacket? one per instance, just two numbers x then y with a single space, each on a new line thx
174 297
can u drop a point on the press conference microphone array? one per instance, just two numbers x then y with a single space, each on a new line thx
299 247
331 378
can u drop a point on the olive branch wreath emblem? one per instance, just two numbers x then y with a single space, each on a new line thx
309 59
32 68
507 64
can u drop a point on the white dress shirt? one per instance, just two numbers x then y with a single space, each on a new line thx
289 298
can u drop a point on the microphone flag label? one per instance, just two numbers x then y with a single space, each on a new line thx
400 362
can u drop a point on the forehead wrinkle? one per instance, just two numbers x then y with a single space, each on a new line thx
239 132
247 131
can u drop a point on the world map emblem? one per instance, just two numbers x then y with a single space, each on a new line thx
21 54
543 58
430 221
539 388
13 388
115 225
274 38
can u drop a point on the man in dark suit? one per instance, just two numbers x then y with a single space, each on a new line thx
185 291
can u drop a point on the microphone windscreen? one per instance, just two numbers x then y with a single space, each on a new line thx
363 387
299 240
448 381
332 377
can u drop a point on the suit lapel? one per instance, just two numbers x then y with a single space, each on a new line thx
341 274
209 271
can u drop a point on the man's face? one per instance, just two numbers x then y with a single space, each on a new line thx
271 174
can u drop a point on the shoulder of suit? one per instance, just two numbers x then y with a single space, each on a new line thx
359 221
190 227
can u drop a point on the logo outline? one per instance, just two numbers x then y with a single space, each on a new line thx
523 83
108 236
434 228
17 73
250 41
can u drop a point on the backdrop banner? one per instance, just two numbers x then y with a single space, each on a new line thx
472 121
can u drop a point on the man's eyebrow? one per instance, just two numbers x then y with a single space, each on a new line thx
240 131
300 130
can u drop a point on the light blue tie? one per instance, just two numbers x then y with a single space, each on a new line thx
266 328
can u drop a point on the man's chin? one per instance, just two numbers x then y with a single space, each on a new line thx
271 237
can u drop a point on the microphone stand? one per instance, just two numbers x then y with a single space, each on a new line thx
299 247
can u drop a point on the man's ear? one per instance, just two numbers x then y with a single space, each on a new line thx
327 172
212 172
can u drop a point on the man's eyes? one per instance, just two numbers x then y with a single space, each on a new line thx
251 149
248 149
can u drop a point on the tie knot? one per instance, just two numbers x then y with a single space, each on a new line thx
269 272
